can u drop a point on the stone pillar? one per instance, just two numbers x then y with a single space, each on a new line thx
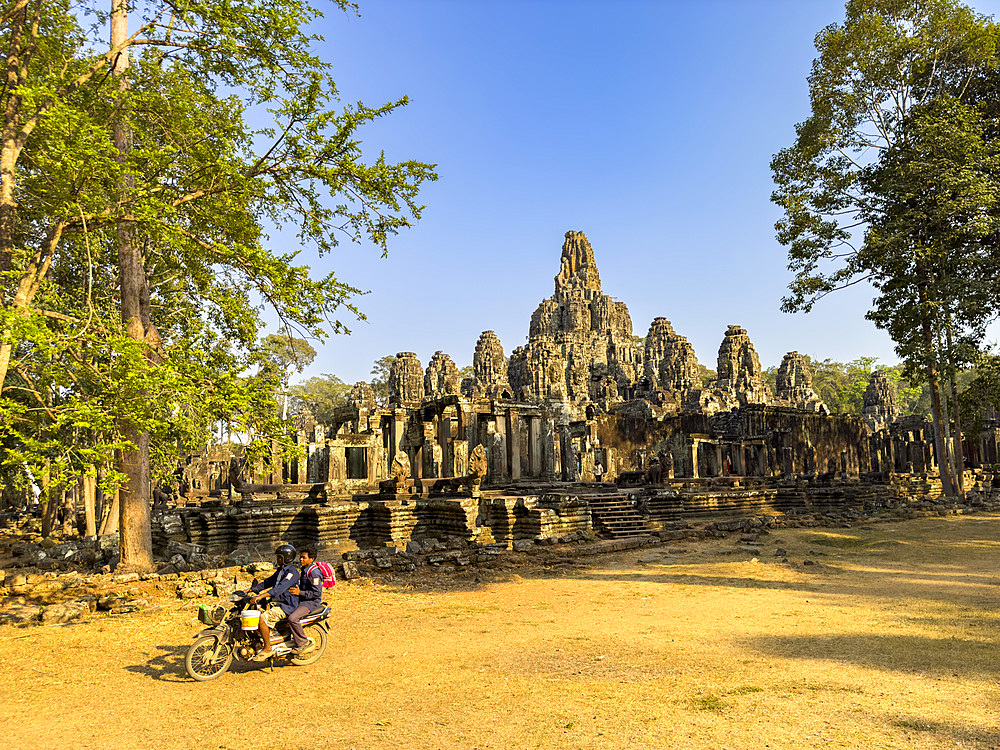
502 462
447 454
397 432
376 460
570 471
460 448
496 451
547 440
514 443
694 459
720 464
534 447
302 469
468 425
436 455
427 446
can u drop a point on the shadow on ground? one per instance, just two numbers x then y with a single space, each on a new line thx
944 657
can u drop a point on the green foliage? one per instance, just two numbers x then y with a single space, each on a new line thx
884 60
707 375
206 187
381 368
321 396
982 393
842 386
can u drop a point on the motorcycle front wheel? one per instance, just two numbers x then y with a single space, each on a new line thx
318 635
206 662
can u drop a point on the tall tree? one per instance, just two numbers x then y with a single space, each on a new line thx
843 184
321 395
187 207
286 353
381 368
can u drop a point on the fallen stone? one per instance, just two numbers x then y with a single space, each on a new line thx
20 615
65 612
192 592
132 605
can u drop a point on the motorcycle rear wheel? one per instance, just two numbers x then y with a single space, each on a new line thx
201 662
318 634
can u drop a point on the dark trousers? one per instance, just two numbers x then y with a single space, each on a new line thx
295 624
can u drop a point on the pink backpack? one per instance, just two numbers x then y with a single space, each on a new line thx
328 573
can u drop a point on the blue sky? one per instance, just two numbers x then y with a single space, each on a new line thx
647 125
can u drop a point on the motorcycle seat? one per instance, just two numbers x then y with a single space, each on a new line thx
321 611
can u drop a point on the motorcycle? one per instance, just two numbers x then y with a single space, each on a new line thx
214 650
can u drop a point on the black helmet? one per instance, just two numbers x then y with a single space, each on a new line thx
286 552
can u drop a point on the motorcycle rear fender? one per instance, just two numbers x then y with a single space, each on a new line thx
220 632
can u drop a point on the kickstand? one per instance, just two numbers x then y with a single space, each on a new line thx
270 663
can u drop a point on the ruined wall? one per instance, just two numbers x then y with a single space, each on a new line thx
373 522
774 441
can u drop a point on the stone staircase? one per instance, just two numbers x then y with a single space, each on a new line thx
615 516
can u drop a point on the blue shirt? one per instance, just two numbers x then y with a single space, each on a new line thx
279 582
311 587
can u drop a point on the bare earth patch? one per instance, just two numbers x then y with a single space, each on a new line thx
887 641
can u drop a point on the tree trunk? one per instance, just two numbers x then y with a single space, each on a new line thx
134 526
52 502
959 450
69 510
88 492
948 444
932 380
135 535
109 520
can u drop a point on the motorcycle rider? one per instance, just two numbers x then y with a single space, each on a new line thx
310 593
277 587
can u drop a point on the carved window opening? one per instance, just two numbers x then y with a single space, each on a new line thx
357 463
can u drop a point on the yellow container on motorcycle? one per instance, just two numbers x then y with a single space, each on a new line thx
250 618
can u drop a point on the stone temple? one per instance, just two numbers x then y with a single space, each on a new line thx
510 453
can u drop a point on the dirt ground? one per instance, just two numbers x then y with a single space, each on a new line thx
887 641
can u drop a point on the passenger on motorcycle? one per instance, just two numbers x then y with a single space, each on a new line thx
277 587
310 592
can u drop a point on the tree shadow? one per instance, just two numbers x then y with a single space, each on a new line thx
946 585
949 734
918 655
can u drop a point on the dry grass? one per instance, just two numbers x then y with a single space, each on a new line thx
888 642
